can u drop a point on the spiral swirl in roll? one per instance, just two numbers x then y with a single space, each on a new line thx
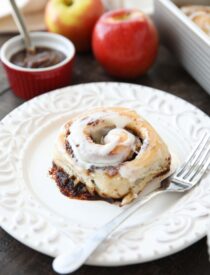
113 152
100 140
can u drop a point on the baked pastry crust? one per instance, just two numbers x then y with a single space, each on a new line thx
200 15
111 153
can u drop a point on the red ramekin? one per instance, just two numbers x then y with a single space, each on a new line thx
27 83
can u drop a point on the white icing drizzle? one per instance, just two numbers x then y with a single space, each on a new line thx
200 15
133 174
117 145
195 14
204 20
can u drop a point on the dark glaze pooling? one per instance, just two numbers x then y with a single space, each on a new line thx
41 58
68 187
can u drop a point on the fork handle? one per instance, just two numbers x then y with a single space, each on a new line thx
70 261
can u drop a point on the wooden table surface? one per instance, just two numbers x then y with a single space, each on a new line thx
168 75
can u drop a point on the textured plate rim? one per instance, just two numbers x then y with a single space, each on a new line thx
91 261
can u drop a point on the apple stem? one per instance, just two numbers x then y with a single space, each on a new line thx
68 2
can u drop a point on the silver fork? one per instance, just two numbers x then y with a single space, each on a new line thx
185 178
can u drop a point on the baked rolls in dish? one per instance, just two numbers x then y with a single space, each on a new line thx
200 15
108 153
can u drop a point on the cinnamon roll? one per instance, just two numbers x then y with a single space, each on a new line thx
200 15
109 154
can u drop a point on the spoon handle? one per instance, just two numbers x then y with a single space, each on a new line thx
21 25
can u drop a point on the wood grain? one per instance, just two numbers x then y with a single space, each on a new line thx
168 75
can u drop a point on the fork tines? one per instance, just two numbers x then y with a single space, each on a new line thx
197 163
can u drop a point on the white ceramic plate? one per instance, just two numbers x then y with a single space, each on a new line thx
33 210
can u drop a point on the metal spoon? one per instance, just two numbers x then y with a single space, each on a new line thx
22 26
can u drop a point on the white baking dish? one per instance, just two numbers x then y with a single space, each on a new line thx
188 42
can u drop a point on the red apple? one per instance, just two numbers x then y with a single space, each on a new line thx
125 42
74 19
